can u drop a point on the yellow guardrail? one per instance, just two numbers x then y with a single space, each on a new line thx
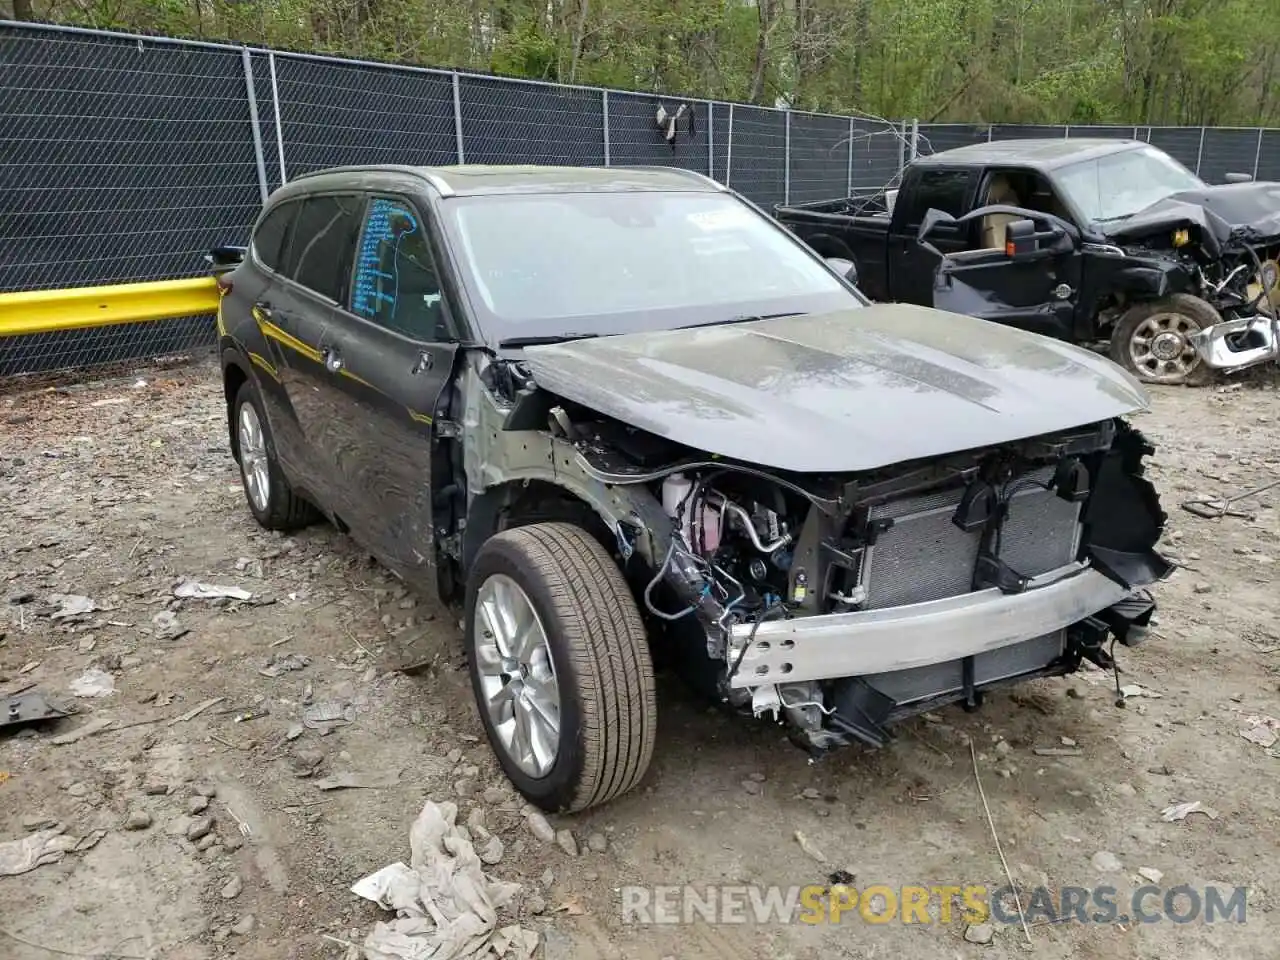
75 308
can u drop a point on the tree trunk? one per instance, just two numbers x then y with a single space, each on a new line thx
579 30
765 9
22 9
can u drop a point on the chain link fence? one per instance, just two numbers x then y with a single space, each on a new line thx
127 158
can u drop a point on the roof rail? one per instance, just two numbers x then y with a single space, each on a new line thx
682 171
422 173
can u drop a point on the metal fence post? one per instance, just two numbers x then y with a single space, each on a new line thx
1066 131
728 150
604 112
1200 151
915 137
786 175
252 96
1257 155
275 100
1135 131
711 140
849 175
457 119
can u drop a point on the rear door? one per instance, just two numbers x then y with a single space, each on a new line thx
912 267
301 317
388 358
257 288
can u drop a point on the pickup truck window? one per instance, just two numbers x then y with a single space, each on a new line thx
1121 184
625 262
944 190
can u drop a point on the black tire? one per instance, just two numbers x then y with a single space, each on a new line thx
284 509
1184 305
603 671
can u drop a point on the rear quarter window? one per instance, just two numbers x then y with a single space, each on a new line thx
944 190
269 239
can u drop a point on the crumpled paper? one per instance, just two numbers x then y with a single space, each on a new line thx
446 907
34 850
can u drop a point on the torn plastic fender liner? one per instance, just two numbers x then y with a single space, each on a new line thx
1123 519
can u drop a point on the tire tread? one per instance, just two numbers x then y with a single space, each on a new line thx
609 655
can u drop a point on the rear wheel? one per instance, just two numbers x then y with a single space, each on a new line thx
271 500
1152 340
560 666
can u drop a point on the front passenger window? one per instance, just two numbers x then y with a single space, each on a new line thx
395 283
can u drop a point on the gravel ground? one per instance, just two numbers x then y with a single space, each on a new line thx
118 490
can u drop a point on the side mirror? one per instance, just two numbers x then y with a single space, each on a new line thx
846 268
224 258
1239 178
1020 239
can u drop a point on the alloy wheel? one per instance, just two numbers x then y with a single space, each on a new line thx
517 675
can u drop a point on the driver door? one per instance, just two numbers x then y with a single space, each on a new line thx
1032 282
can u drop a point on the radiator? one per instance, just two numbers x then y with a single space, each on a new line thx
924 556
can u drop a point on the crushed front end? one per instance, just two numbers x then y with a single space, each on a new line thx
1224 247
841 604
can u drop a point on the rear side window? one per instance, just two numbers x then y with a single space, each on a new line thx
936 190
269 238
324 239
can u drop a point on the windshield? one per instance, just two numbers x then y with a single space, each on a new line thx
1121 184
605 263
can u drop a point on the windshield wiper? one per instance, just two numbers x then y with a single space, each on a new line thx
745 318
539 340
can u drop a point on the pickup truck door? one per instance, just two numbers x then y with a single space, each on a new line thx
909 267
1033 283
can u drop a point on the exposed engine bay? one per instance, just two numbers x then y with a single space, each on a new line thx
841 550
750 551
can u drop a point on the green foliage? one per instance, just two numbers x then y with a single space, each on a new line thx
1044 61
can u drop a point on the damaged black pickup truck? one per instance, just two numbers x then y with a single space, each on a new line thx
623 416
1090 241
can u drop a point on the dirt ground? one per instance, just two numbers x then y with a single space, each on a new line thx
120 489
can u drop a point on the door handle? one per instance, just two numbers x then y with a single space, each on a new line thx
332 359
424 363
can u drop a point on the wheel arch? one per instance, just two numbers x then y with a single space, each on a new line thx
829 245
521 501
235 372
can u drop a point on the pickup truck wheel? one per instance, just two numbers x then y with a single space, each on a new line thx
271 500
1150 340
560 666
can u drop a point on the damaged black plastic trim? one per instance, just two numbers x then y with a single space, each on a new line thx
1123 520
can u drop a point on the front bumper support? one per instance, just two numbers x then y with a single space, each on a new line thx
1236 344
915 635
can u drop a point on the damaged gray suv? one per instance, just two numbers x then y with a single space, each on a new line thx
621 415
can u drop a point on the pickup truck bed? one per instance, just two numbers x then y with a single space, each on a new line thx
854 228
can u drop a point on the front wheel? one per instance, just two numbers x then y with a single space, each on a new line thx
1152 340
560 666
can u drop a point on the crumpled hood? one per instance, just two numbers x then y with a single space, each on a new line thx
1248 212
839 392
